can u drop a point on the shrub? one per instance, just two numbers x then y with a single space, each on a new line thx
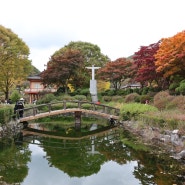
46 99
137 90
131 97
86 106
5 114
71 105
108 92
84 92
120 92
128 91
118 98
145 90
80 97
173 86
143 98
177 102
67 97
181 88
107 98
161 99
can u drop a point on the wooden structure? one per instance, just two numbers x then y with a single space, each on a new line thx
78 108
36 88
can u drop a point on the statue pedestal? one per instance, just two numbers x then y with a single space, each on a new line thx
93 90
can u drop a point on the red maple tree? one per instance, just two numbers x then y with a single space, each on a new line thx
63 68
115 71
144 61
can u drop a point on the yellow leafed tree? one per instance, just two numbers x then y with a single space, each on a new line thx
14 63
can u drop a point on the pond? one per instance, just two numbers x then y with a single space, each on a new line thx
98 158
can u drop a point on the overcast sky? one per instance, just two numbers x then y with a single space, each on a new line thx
118 27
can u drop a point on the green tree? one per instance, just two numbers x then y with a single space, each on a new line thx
92 56
15 96
92 53
14 63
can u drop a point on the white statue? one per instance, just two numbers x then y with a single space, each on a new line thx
93 86
93 70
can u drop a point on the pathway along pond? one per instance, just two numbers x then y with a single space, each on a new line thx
99 159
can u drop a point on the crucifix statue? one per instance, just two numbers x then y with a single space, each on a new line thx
93 86
93 71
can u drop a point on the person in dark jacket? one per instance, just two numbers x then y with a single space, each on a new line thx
112 121
19 108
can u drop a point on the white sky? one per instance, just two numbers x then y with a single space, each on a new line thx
118 27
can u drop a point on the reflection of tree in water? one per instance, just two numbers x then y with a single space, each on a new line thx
155 168
84 157
115 151
73 158
80 158
159 169
77 158
13 162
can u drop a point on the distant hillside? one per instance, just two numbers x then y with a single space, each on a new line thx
34 71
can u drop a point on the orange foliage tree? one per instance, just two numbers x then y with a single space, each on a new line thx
170 58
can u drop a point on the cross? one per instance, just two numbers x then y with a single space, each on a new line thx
93 70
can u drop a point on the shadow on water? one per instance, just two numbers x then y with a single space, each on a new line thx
84 153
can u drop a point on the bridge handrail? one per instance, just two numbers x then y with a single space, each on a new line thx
49 106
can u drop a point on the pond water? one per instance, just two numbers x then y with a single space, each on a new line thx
95 159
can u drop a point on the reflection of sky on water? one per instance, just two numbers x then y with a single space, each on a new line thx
111 173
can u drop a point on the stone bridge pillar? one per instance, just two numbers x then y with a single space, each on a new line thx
78 120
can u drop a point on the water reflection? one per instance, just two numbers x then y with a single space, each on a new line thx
100 158
13 161
77 157
51 175
79 162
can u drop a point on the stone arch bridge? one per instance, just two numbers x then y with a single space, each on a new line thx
78 108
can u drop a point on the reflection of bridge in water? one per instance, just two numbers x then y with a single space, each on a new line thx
110 135
78 108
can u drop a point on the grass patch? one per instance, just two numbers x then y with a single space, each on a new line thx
134 110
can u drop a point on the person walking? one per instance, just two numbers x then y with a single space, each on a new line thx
19 108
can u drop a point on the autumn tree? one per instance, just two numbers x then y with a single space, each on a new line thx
62 68
170 58
144 61
14 63
92 56
116 72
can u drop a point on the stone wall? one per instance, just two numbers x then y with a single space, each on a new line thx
171 141
11 129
